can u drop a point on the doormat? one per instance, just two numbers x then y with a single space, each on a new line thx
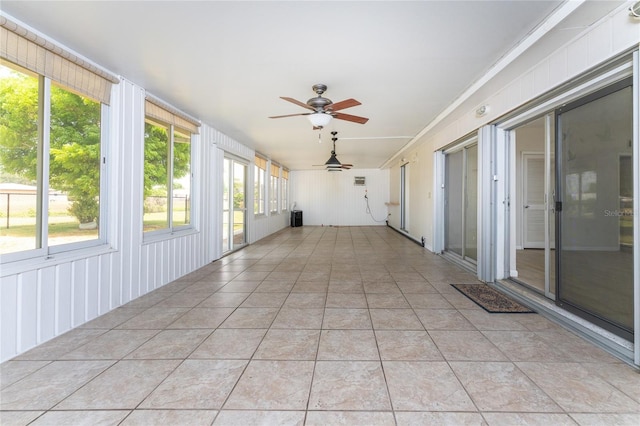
491 300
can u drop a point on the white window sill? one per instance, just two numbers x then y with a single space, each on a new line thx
154 237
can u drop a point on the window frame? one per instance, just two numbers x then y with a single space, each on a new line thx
170 230
259 187
284 190
41 236
274 187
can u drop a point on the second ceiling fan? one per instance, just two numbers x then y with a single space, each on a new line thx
323 109
332 164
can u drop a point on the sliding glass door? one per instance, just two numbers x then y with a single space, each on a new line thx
461 202
594 157
234 210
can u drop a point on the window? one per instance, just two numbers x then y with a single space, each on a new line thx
284 190
167 169
51 157
273 188
259 185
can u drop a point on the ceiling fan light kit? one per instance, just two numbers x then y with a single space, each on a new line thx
319 119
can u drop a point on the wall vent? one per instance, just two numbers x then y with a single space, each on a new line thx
359 180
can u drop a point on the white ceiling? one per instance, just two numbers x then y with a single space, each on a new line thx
227 63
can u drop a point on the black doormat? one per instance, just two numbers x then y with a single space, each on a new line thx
491 300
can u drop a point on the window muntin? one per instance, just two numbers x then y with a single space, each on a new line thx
167 177
259 185
50 165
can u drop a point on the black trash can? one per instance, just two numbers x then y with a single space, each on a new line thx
296 218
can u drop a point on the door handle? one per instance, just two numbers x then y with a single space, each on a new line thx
527 206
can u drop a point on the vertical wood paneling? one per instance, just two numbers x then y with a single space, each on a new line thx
9 323
27 310
78 292
116 283
105 284
46 304
64 298
92 288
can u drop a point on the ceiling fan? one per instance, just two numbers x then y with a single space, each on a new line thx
332 164
323 109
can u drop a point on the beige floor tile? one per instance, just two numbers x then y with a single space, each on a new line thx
207 318
133 380
204 287
381 300
285 344
230 344
170 344
349 385
500 386
533 419
310 287
305 300
154 318
416 287
526 346
49 385
250 318
381 287
18 418
12 371
254 417
600 419
576 389
283 276
182 300
170 417
466 346
114 344
395 319
443 319
348 345
347 418
428 301
80 418
264 300
440 419
113 318
345 287
346 300
406 345
275 286
252 276
483 320
346 318
425 386
321 275
299 318
224 300
240 286
273 385
57 347
197 384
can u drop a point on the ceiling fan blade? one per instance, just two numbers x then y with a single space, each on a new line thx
348 117
294 101
347 103
290 115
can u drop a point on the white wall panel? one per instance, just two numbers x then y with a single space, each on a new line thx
64 298
9 323
332 199
78 293
46 305
27 309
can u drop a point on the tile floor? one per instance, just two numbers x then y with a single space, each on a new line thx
318 326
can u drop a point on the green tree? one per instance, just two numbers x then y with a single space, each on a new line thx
74 151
